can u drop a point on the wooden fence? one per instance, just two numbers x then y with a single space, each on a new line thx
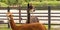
48 17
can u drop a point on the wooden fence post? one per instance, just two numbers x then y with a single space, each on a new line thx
28 14
49 17
19 14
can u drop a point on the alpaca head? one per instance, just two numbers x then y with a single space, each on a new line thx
31 8
9 15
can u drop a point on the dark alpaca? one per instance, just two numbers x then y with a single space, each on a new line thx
32 26
33 19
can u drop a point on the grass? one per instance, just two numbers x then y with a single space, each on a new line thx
5 28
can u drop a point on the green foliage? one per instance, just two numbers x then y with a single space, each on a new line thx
21 2
51 3
57 0
4 1
12 2
27 0
3 4
54 3
34 2
44 3
24 4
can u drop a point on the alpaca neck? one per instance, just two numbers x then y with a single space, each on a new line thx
13 25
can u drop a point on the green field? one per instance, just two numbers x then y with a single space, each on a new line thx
5 28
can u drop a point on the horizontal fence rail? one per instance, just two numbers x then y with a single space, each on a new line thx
41 14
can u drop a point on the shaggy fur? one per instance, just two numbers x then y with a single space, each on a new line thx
33 19
31 26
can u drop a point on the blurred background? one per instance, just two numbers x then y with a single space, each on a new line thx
41 12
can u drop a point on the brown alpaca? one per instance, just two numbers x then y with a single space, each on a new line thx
32 26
